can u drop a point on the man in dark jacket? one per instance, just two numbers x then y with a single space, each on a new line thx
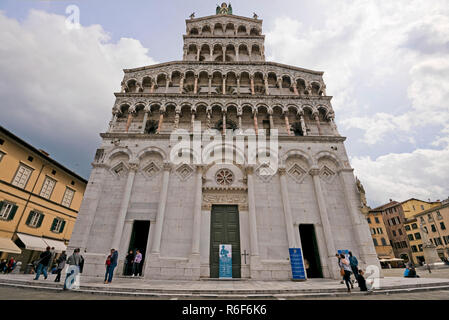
44 260
110 268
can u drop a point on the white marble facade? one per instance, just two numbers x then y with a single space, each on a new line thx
134 177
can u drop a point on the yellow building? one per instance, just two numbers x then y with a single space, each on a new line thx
380 237
414 238
412 207
39 200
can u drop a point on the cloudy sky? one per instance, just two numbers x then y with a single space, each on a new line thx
386 64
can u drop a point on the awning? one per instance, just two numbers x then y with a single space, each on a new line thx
58 245
32 242
7 245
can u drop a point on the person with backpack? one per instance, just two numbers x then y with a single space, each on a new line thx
354 263
42 266
345 269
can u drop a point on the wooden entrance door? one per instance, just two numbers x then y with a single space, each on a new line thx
224 229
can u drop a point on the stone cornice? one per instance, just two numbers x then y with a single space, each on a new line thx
215 96
217 63
200 36
230 16
166 136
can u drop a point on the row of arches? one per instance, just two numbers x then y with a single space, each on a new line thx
224 52
290 119
223 29
216 82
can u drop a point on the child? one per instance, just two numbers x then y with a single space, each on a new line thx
361 281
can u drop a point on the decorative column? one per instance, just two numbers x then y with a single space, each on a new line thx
161 210
123 87
237 54
224 54
181 84
249 53
256 127
210 84
197 210
252 84
224 84
153 83
295 89
192 121
254 243
145 118
137 88
131 112
364 243
176 122
239 117
195 86
238 84
265 79
317 119
303 124
287 210
314 172
211 54
161 120
167 84
124 206
270 118
208 119
224 122
198 54
287 124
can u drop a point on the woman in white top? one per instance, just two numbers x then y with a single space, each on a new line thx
346 267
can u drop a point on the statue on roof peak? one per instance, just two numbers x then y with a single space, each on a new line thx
224 8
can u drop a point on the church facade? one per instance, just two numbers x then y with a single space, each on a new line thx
222 147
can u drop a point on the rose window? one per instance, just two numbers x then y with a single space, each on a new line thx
224 177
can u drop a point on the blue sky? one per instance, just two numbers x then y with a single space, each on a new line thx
386 65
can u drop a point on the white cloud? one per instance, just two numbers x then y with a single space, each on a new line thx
59 82
387 65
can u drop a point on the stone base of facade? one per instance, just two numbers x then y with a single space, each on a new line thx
157 267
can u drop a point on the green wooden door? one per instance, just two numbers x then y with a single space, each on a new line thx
224 229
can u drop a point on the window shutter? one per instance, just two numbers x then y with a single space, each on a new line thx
62 227
30 216
53 225
12 213
41 217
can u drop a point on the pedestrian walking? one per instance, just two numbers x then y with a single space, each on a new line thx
61 264
74 262
136 264
129 263
44 260
337 255
345 269
111 263
354 265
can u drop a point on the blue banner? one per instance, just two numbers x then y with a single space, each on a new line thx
225 262
297 263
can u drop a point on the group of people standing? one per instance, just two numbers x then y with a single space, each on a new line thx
6 266
75 263
133 262
348 265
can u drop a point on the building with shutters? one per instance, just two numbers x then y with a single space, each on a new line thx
39 200
222 147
